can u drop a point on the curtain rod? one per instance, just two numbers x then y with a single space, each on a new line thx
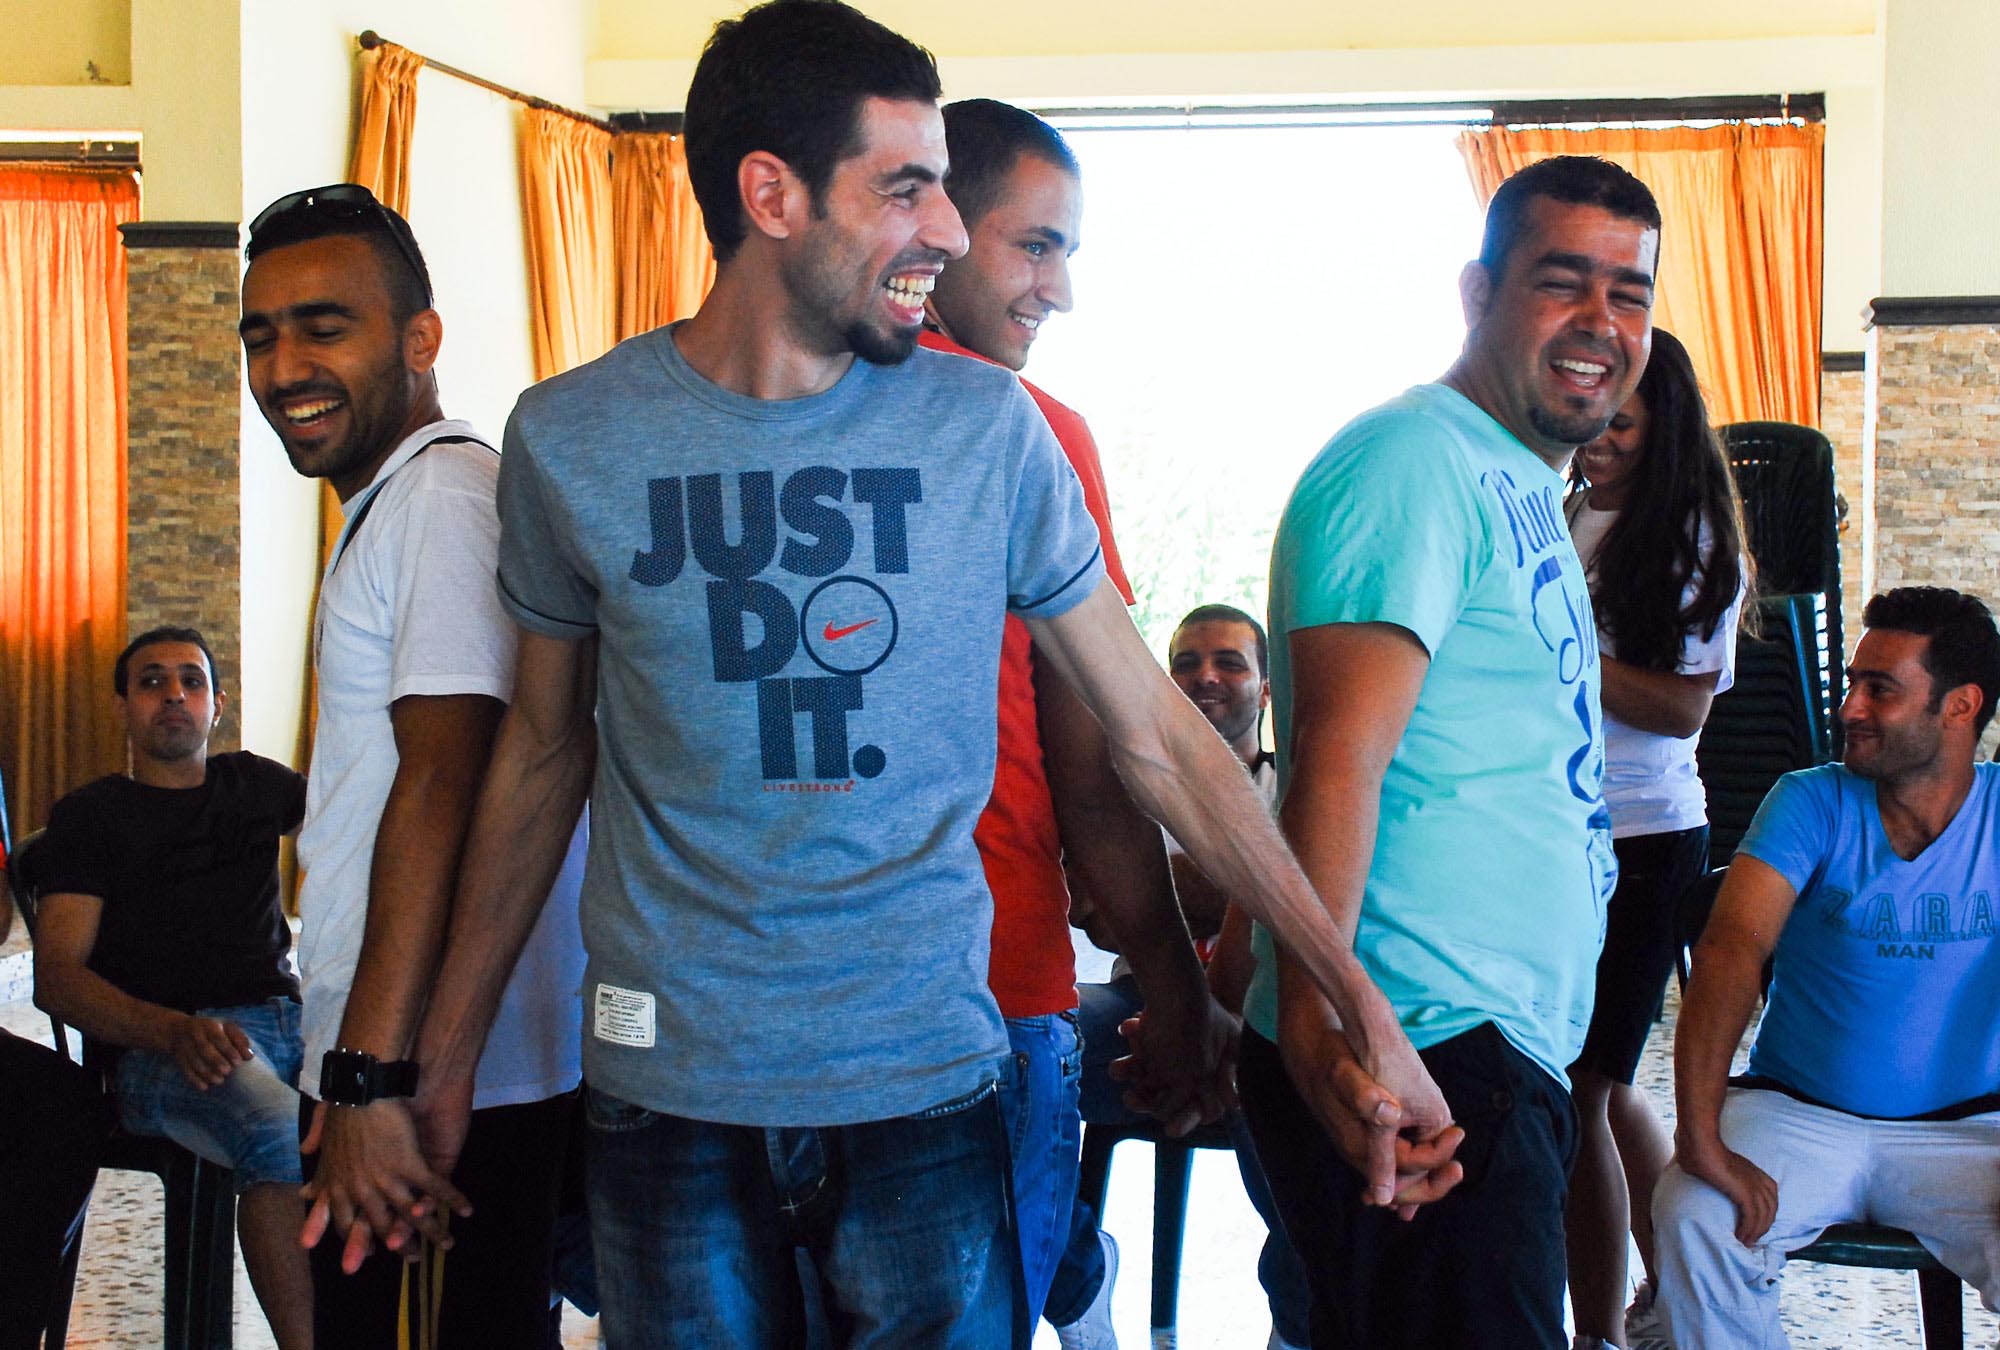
90 153
370 39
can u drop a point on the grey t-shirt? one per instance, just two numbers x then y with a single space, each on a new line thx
798 605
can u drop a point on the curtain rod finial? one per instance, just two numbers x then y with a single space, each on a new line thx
369 39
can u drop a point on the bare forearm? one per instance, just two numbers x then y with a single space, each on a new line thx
442 746
1721 998
102 1011
527 813
1226 829
1202 901
1661 702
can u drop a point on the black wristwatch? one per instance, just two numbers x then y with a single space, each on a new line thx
356 1078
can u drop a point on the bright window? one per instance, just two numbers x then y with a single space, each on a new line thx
1240 294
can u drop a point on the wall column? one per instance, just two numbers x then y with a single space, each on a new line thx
183 437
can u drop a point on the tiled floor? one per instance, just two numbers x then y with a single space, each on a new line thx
1221 1308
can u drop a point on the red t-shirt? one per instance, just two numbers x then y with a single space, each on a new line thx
1033 969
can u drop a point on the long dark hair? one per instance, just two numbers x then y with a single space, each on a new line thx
1653 548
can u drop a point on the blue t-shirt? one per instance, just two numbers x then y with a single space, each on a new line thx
1485 895
798 607
1885 995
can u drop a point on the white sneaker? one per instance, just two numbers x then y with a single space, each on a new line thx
1092 1331
1165 1338
1645 1327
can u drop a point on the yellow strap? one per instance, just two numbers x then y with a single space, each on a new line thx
428 1307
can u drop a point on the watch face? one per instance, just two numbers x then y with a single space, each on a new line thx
343 1078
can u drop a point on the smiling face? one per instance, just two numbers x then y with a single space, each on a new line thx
333 373
1611 462
1893 715
1016 272
856 279
1560 338
170 704
1215 664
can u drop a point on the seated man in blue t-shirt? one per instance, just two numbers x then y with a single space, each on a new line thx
1874 1087
160 938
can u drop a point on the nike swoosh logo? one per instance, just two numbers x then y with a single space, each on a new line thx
832 634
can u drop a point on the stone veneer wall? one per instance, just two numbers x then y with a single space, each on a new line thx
184 409
1842 394
1935 387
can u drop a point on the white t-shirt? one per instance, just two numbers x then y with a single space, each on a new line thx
1650 783
408 606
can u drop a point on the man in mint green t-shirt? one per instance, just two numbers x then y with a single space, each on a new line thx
1435 684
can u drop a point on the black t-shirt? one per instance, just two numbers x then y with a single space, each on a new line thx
189 881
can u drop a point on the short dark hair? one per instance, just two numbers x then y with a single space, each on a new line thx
1230 614
121 674
788 77
984 138
1964 646
1575 180
350 209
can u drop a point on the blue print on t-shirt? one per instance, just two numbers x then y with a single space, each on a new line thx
847 624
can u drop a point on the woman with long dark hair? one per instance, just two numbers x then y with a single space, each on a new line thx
1656 523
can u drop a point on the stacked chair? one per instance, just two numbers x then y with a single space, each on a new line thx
1781 716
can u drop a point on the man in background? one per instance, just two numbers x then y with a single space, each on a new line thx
415 663
1019 191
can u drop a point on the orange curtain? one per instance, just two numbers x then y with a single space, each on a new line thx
380 158
664 263
62 478
566 199
1739 278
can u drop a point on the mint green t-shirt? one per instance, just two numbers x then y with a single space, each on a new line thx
1486 893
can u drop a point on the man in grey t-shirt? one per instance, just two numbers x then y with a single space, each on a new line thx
759 585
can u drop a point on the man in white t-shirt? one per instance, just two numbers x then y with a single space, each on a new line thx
415 663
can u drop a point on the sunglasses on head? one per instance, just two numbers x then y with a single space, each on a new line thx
340 202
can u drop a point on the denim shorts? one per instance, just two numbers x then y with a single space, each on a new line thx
249 1121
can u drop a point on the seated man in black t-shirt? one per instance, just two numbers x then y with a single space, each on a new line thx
161 939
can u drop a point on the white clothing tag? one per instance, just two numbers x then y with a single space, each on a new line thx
623 1017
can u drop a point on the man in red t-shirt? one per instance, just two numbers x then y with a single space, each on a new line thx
1055 795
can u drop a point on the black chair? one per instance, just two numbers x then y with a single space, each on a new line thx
200 1230
1173 1159
1784 475
1773 720
1940 1306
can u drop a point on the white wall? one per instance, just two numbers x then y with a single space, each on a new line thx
1940 198
297 101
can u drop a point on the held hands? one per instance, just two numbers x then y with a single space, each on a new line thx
1180 1065
207 1050
1387 1119
373 1178
1748 1186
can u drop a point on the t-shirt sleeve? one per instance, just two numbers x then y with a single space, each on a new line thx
1717 651
1073 434
451 636
538 587
283 785
1054 558
1382 528
72 857
1793 827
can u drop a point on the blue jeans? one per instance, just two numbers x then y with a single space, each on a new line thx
908 1223
249 1121
1038 1101
1102 1008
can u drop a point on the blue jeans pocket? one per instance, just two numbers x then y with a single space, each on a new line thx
615 1115
957 1104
